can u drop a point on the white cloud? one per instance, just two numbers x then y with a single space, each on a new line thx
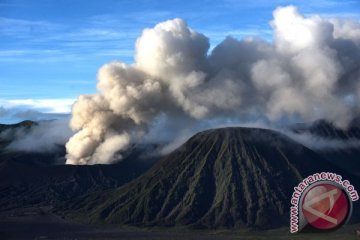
62 105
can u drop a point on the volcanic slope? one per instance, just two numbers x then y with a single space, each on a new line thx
229 177
31 179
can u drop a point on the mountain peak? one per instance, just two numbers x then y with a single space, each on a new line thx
228 177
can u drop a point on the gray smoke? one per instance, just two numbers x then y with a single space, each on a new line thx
309 71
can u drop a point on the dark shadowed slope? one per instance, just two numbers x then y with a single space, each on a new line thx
229 177
325 129
343 148
24 124
23 185
31 179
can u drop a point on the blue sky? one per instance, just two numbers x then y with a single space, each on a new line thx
51 50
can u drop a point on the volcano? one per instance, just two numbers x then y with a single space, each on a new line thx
229 177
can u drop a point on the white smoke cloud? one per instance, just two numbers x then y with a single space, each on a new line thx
309 71
318 143
45 136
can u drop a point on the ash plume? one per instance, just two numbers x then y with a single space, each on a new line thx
309 71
